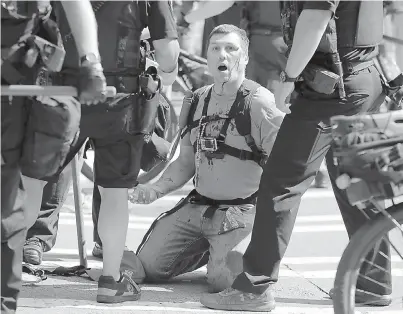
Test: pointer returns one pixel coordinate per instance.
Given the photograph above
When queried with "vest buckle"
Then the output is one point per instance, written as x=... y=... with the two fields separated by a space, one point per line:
x=208 y=144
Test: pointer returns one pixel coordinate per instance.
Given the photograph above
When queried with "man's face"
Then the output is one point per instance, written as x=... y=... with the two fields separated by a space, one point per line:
x=225 y=58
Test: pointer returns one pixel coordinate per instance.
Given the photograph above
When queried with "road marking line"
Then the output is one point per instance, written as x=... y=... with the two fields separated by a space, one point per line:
x=135 y=218
x=194 y=307
x=321 y=260
x=297 y=260
x=297 y=228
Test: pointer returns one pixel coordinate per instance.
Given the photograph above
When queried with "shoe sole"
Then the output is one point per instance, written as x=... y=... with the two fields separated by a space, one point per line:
x=385 y=301
x=262 y=307
x=117 y=299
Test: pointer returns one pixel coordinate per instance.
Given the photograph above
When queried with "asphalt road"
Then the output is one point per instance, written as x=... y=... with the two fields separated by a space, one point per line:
x=306 y=274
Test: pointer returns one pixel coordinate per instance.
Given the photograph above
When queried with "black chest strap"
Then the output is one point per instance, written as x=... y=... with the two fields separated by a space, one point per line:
x=237 y=110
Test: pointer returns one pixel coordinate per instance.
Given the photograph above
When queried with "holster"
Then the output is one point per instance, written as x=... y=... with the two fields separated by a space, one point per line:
x=320 y=79
x=390 y=88
x=141 y=117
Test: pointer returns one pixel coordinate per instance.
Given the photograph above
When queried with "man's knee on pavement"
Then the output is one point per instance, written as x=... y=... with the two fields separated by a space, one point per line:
x=153 y=266
x=219 y=277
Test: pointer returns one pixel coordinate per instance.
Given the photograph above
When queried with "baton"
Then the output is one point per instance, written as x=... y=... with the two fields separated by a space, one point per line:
x=182 y=123
x=36 y=90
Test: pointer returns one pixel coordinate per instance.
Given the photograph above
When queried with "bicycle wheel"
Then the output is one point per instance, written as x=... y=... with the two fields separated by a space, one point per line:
x=353 y=256
x=144 y=176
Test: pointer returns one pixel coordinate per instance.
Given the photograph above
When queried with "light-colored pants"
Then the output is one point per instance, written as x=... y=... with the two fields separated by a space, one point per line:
x=186 y=240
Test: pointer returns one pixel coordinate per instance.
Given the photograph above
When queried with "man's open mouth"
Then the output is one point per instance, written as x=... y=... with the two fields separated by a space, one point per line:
x=222 y=68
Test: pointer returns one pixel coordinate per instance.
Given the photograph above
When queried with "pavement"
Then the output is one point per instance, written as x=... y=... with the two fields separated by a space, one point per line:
x=306 y=274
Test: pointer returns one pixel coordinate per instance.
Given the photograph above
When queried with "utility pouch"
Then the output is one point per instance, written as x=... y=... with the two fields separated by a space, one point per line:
x=393 y=86
x=52 y=55
x=320 y=79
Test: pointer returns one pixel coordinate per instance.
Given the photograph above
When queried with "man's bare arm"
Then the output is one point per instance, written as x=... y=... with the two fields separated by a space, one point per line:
x=309 y=30
x=179 y=172
x=166 y=54
x=83 y=25
x=207 y=9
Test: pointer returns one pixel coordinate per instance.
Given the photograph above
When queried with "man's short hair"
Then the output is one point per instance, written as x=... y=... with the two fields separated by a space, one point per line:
x=229 y=28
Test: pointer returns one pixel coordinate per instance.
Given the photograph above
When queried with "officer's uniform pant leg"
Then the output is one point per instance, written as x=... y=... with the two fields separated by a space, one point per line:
x=175 y=245
x=13 y=231
x=289 y=172
x=374 y=278
x=54 y=196
x=13 y=228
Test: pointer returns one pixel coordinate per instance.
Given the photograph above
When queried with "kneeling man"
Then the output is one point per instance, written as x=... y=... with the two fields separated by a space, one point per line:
x=232 y=126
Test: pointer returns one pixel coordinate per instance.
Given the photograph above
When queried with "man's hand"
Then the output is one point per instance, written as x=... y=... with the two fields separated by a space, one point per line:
x=282 y=93
x=144 y=194
x=92 y=83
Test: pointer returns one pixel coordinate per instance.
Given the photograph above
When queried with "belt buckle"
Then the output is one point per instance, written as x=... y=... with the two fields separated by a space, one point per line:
x=208 y=144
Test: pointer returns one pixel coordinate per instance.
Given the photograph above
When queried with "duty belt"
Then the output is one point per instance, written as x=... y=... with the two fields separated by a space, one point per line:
x=352 y=67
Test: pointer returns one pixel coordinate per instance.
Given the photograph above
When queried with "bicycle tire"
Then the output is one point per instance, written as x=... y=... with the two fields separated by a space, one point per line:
x=145 y=177
x=359 y=246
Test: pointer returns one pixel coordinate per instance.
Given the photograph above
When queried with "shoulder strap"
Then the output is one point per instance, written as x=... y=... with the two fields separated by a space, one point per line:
x=243 y=119
x=193 y=107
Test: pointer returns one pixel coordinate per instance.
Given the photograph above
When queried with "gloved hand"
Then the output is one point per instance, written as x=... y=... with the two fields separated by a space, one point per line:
x=144 y=194
x=92 y=83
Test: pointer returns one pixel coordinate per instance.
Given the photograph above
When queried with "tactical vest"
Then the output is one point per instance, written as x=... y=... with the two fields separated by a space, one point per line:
x=240 y=112
x=120 y=24
x=356 y=24
x=28 y=36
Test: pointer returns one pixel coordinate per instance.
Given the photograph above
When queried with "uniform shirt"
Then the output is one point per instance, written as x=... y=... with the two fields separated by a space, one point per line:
x=346 y=54
x=230 y=177
x=158 y=17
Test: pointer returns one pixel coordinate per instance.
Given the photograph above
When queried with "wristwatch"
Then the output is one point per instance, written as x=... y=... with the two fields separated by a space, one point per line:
x=285 y=78
x=90 y=58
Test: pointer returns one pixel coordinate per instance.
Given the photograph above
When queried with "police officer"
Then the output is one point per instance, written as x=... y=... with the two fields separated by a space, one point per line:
x=293 y=164
x=119 y=128
x=17 y=114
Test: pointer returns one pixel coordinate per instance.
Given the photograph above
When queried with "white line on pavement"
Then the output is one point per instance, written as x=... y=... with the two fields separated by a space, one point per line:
x=135 y=218
x=189 y=307
x=323 y=274
x=321 y=260
x=297 y=229
x=303 y=260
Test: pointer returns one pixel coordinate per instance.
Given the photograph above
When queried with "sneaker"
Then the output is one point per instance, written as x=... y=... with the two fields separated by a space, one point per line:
x=367 y=298
x=234 y=300
x=97 y=251
x=33 y=251
x=111 y=291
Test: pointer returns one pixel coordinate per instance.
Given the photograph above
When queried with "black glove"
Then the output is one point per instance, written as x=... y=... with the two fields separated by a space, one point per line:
x=91 y=83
